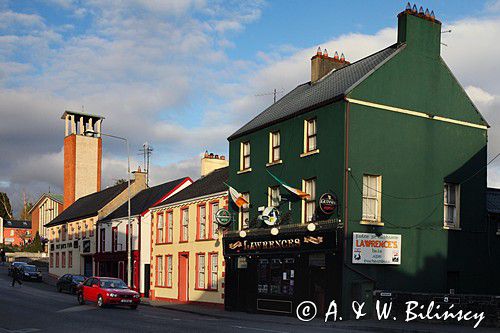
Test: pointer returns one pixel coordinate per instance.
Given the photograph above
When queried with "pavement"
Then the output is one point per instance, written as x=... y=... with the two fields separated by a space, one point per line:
x=37 y=307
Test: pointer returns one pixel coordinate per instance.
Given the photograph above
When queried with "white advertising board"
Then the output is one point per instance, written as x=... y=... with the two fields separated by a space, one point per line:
x=368 y=248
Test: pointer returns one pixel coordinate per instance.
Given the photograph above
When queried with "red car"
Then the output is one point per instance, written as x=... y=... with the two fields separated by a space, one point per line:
x=107 y=291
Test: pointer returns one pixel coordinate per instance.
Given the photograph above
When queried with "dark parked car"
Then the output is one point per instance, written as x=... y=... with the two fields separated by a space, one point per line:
x=69 y=283
x=15 y=264
x=107 y=291
x=30 y=273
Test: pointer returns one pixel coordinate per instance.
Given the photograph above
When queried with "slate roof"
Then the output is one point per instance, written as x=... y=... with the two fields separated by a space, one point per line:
x=17 y=224
x=211 y=183
x=88 y=206
x=143 y=200
x=308 y=96
x=493 y=200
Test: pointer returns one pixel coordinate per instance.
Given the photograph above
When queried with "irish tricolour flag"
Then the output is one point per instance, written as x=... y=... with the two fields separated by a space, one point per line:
x=301 y=194
x=237 y=197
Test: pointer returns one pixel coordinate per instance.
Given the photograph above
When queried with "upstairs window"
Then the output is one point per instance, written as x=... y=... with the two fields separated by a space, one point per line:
x=159 y=229
x=103 y=240
x=372 y=199
x=310 y=203
x=170 y=226
x=451 y=205
x=274 y=154
x=274 y=196
x=114 y=239
x=245 y=156
x=184 y=224
x=214 y=207
x=202 y=221
x=245 y=212
x=311 y=131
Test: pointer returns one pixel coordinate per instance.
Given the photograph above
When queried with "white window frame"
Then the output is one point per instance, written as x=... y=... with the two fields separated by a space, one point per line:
x=213 y=221
x=274 y=146
x=372 y=192
x=214 y=267
x=244 y=212
x=169 y=259
x=244 y=148
x=160 y=228
x=202 y=220
x=160 y=276
x=310 y=124
x=272 y=199
x=170 y=226
x=309 y=202
x=185 y=224
x=455 y=223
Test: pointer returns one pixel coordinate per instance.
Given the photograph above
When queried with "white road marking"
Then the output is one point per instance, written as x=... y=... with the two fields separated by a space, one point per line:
x=258 y=329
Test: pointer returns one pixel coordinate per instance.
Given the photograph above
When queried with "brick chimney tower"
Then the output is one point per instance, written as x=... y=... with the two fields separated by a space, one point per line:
x=82 y=155
x=322 y=64
x=211 y=162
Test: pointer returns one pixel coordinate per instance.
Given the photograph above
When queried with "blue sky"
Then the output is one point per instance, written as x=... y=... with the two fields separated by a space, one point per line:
x=184 y=75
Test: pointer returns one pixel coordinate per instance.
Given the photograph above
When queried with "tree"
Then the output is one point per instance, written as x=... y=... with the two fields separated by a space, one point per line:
x=5 y=208
x=25 y=214
x=35 y=245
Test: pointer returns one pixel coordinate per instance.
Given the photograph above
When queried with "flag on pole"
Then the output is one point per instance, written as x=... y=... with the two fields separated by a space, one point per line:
x=237 y=197
x=297 y=192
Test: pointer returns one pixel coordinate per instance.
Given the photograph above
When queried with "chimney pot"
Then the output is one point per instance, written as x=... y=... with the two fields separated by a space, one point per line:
x=432 y=15
x=408 y=6
x=318 y=52
x=222 y=157
x=336 y=56
x=342 y=57
x=414 y=9
x=427 y=14
x=325 y=53
x=421 y=10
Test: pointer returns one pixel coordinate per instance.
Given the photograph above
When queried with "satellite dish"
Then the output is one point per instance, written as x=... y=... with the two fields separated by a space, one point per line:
x=270 y=216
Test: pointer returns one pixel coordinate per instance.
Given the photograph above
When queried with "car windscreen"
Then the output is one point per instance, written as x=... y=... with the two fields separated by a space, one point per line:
x=78 y=278
x=30 y=268
x=113 y=284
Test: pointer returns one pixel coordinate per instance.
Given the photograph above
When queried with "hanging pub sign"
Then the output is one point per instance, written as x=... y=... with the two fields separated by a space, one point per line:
x=328 y=203
x=270 y=216
x=368 y=248
x=223 y=217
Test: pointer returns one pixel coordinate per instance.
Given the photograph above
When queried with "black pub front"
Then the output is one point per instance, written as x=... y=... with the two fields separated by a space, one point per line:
x=274 y=273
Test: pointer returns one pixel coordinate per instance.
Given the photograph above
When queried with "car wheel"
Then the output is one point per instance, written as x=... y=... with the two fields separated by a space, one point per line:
x=81 y=300
x=100 y=302
x=133 y=307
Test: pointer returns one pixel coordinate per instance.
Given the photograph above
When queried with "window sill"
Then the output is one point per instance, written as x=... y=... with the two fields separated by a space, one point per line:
x=375 y=223
x=163 y=287
x=164 y=243
x=244 y=171
x=183 y=241
x=309 y=153
x=274 y=163
x=451 y=228
x=204 y=239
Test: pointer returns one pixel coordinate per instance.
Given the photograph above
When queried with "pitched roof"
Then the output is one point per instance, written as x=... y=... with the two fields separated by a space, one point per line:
x=210 y=184
x=493 y=200
x=143 y=200
x=88 y=206
x=307 y=96
x=56 y=197
x=17 y=224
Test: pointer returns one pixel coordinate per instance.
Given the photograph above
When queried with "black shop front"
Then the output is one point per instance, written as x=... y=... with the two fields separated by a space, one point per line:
x=274 y=273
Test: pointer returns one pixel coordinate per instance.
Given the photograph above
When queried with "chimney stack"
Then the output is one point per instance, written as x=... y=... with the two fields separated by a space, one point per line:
x=211 y=162
x=322 y=64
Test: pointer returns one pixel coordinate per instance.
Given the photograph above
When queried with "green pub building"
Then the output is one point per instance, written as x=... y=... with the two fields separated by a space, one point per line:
x=392 y=154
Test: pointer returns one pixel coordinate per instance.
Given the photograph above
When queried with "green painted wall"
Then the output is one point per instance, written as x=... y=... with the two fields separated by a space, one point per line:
x=326 y=166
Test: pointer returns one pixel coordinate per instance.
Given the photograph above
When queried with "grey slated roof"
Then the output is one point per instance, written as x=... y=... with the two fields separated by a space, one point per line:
x=307 y=96
x=493 y=200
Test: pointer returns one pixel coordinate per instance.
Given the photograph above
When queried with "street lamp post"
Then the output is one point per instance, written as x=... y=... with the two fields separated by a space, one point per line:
x=129 y=236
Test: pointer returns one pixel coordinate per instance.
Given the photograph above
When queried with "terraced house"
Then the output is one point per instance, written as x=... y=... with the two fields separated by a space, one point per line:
x=376 y=174
x=187 y=265
x=72 y=234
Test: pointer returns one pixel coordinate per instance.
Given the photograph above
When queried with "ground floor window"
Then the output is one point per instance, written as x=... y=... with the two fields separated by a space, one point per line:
x=159 y=271
x=213 y=273
x=63 y=260
x=200 y=271
x=51 y=260
x=57 y=260
x=70 y=259
x=276 y=276
x=169 y=270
